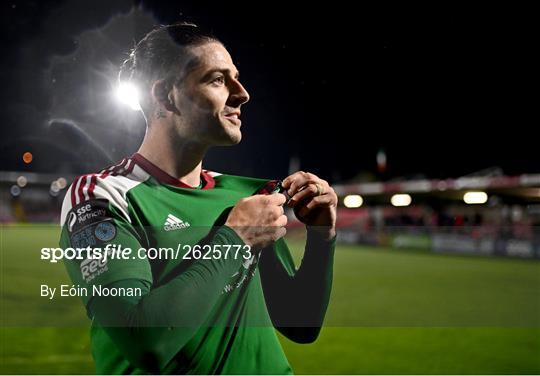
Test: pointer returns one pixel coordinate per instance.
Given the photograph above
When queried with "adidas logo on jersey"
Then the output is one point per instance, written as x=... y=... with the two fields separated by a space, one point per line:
x=172 y=223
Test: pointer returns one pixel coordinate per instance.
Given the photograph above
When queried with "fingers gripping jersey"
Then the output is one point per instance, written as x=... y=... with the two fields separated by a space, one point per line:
x=136 y=205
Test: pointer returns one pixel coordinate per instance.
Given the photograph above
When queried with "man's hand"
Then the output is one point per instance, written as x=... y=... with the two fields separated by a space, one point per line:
x=259 y=219
x=314 y=202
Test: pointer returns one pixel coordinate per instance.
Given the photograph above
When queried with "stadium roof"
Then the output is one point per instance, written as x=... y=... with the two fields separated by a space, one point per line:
x=424 y=186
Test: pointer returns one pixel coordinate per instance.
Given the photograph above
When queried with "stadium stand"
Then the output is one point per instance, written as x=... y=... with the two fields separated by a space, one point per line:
x=436 y=219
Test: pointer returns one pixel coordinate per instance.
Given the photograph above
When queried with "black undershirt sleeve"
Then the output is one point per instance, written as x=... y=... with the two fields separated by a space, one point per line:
x=297 y=299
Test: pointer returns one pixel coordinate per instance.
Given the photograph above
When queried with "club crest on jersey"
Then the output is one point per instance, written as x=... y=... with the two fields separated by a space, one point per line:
x=105 y=231
x=173 y=223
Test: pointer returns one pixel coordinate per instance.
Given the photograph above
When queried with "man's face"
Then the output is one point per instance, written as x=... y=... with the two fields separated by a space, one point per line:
x=210 y=97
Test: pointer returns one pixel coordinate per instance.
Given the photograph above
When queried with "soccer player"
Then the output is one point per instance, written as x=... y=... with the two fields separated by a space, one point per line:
x=215 y=306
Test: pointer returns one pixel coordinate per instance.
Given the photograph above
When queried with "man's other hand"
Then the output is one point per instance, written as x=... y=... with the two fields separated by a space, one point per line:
x=314 y=202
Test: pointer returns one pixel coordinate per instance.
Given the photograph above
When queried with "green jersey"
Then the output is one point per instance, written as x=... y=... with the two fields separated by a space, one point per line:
x=207 y=305
x=137 y=205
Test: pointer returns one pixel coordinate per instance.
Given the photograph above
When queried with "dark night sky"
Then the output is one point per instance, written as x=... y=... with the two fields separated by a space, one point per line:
x=445 y=89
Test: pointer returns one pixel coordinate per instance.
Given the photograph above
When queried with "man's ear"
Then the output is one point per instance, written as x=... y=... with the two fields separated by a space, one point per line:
x=162 y=94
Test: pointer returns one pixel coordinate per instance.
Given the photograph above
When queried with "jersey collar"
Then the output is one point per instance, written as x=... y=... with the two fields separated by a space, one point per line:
x=165 y=178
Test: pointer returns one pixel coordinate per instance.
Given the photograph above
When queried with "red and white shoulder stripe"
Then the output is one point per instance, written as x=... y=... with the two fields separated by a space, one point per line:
x=212 y=173
x=111 y=184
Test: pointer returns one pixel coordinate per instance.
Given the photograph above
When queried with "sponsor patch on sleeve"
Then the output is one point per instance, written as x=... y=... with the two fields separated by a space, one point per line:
x=86 y=214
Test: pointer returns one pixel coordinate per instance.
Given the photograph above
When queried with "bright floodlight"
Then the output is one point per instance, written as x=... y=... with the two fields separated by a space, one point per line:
x=128 y=94
x=401 y=199
x=353 y=201
x=475 y=197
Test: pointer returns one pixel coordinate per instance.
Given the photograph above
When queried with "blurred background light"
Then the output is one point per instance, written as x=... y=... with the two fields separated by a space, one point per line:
x=353 y=201
x=475 y=197
x=401 y=200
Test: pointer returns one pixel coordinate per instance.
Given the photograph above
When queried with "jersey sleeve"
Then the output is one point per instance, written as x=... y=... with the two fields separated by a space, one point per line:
x=150 y=330
x=95 y=217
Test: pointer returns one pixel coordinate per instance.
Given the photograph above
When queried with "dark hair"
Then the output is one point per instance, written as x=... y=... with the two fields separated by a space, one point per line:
x=163 y=53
